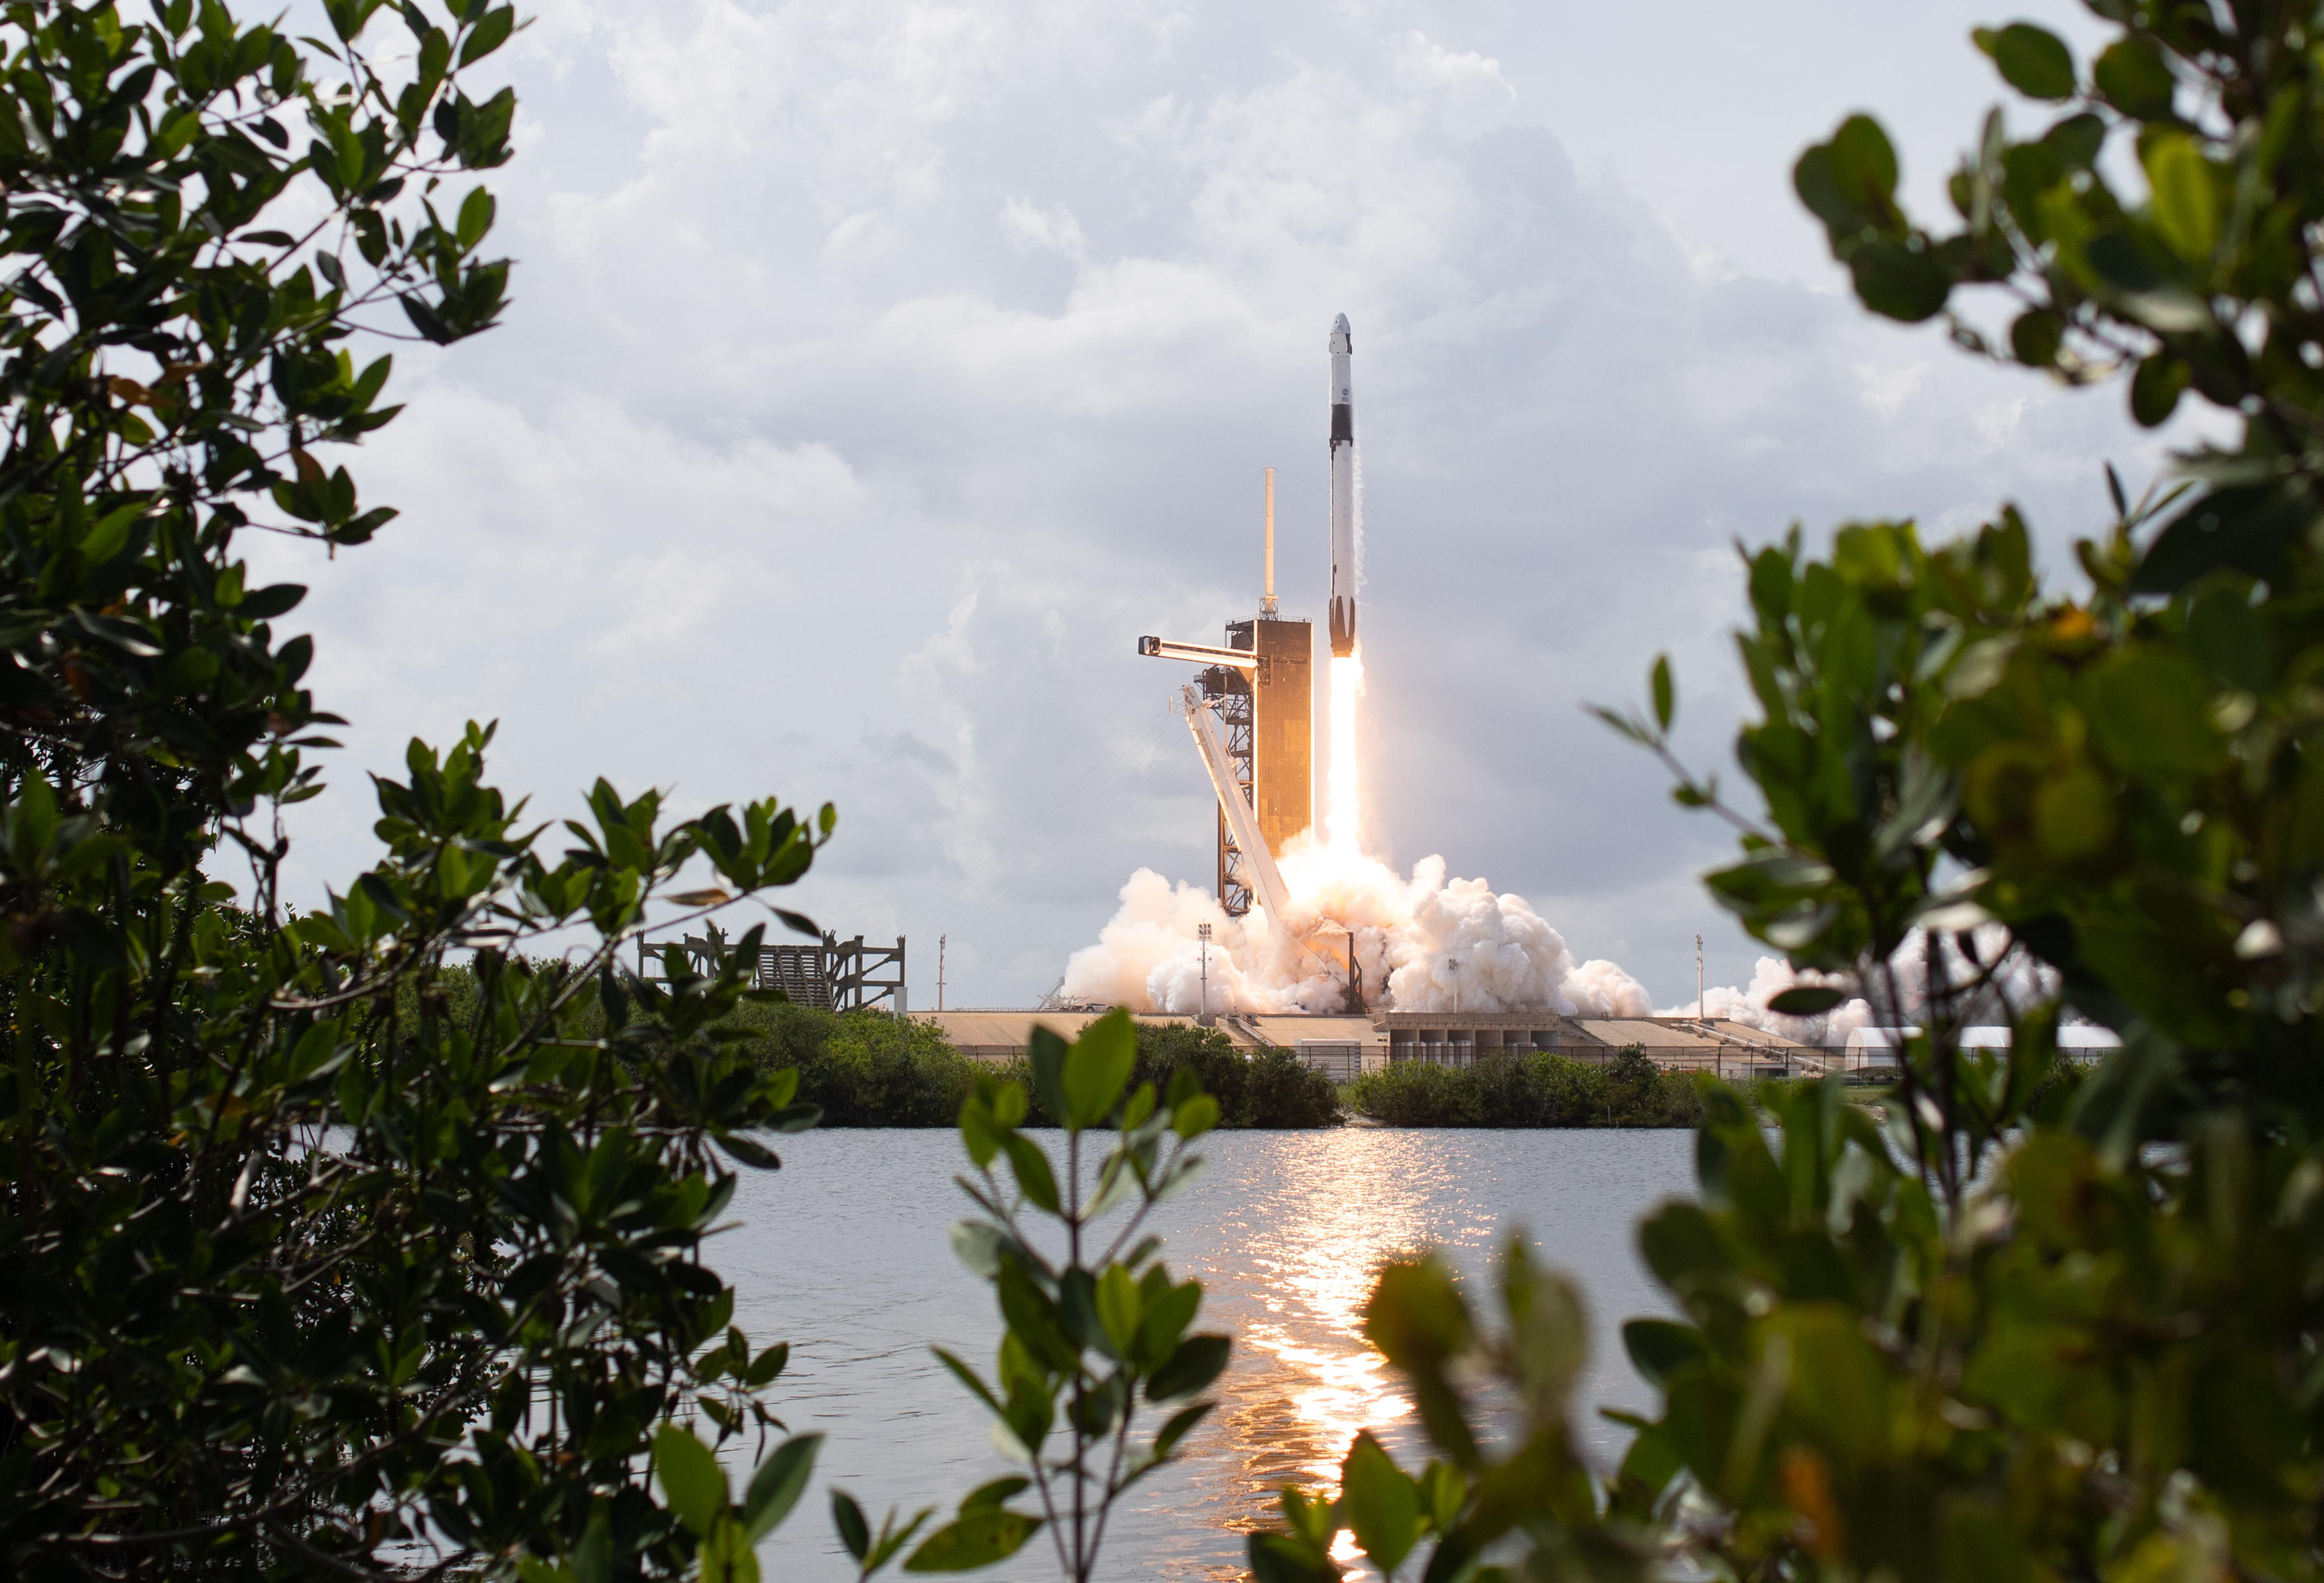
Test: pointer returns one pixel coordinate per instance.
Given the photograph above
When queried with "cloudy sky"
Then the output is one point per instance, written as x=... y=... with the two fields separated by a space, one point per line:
x=880 y=370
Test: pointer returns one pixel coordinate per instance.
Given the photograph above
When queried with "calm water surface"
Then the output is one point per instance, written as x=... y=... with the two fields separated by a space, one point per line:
x=844 y=1253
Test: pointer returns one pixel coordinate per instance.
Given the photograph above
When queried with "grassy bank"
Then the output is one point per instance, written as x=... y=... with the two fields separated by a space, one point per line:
x=1538 y=1089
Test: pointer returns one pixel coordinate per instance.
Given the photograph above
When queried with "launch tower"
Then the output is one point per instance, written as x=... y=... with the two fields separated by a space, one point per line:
x=1268 y=712
x=1262 y=683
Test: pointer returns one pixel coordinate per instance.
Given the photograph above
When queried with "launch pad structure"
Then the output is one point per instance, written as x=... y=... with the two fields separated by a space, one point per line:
x=1260 y=686
x=834 y=976
x=1267 y=713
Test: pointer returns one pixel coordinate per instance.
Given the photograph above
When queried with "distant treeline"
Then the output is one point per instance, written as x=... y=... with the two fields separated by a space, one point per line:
x=872 y=1070
x=1535 y=1089
x=867 y=1068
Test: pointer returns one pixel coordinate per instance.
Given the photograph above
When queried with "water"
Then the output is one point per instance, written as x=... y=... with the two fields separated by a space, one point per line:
x=844 y=1253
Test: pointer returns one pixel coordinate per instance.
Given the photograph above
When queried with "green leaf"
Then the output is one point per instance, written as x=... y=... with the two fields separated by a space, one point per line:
x=1119 y=1308
x=690 y=1478
x=750 y=1152
x=107 y=538
x=2150 y=710
x=2134 y=77
x=1864 y=160
x=1656 y=1346
x=1030 y=1165
x=1193 y=1117
x=593 y=1558
x=1899 y=282
x=490 y=31
x=1416 y=1315
x=2035 y=336
x=1097 y=1067
x=977 y=1539
x=2186 y=202
x=847 y=1517
x=1805 y=1000
x=997 y=1493
x=777 y=1484
x=1047 y=1053
x=268 y=602
x=1665 y=699
x=1284 y=1557
x=2246 y=527
x=2231 y=638
x=2031 y=60
x=1199 y=1360
x=475 y=215
x=2162 y=377
x=1379 y=1503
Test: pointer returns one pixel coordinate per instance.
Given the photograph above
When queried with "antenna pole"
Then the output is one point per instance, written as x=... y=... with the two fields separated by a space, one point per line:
x=1203 y=929
x=940 y=966
x=1267 y=606
x=1698 y=978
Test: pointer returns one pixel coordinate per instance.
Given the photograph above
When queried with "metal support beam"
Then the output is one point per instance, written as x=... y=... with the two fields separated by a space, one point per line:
x=1163 y=648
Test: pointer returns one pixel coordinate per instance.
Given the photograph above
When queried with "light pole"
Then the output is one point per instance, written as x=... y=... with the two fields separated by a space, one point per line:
x=1203 y=930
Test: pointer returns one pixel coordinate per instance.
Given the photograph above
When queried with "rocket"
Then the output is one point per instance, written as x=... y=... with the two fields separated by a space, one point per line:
x=1344 y=493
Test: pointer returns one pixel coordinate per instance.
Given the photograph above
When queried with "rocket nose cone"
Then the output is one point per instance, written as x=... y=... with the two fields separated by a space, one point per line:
x=1340 y=325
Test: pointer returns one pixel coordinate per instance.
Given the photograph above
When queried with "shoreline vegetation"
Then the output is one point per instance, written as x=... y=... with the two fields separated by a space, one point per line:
x=874 y=1070
x=1536 y=1090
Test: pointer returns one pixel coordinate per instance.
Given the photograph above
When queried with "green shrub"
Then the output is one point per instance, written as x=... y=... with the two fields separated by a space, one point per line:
x=1269 y=1087
x=1280 y=1090
x=866 y=1068
x=1421 y=1094
x=1534 y=1089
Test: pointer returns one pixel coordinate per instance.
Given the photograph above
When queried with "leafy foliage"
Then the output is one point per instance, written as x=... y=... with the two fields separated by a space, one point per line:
x=302 y=1269
x=1540 y=1089
x=1095 y=1328
x=1268 y=1087
x=863 y=1069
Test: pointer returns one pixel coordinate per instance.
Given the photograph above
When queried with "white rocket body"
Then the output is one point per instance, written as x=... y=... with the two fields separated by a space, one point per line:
x=1343 y=492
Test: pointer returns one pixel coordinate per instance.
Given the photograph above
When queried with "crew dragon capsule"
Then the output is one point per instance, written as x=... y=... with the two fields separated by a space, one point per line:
x=1344 y=493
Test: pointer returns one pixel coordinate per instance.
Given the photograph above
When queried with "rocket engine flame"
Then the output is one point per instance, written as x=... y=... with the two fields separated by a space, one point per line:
x=1339 y=800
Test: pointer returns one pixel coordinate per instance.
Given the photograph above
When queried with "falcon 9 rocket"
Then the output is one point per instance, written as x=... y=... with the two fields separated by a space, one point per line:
x=1344 y=493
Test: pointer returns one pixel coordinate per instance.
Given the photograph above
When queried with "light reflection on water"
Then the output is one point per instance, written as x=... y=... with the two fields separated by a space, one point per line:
x=845 y=1253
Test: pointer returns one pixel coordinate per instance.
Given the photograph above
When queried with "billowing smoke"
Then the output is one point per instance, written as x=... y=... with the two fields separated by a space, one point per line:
x=2018 y=983
x=1425 y=943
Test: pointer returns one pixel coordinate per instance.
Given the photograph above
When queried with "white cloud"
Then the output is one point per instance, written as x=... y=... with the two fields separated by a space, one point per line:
x=1473 y=95
x=1032 y=225
x=1888 y=389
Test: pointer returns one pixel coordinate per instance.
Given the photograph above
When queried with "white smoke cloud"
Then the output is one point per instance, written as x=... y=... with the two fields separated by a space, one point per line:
x=2020 y=982
x=1423 y=943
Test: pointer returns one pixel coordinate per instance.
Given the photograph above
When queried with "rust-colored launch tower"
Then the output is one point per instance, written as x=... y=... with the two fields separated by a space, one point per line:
x=1264 y=684
x=1283 y=725
x=1268 y=710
